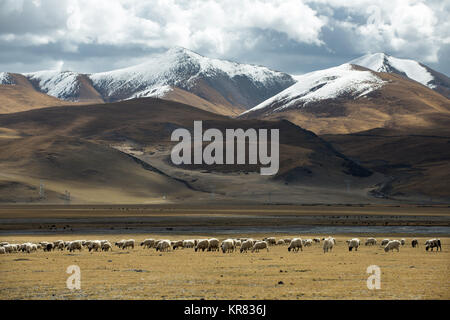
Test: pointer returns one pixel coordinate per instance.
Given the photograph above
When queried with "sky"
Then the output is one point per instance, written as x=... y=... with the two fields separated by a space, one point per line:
x=293 y=36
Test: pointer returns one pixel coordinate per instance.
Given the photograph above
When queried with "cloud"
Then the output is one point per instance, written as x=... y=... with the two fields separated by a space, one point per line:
x=99 y=33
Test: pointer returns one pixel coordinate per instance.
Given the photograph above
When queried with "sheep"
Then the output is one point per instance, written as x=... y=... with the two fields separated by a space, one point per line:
x=353 y=243
x=247 y=244
x=227 y=246
x=213 y=244
x=30 y=247
x=287 y=240
x=270 y=241
x=260 y=245
x=8 y=248
x=48 y=247
x=148 y=243
x=119 y=243
x=237 y=243
x=176 y=244
x=4 y=243
x=188 y=243
x=371 y=242
x=75 y=245
x=414 y=243
x=57 y=243
x=384 y=242
x=433 y=243
x=128 y=244
x=316 y=240
x=402 y=241
x=202 y=245
x=328 y=244
x=280 y=242
x=391 y=245
x=307 y=242
x=2 y=250
x=163 y=245
x=106 y=246
x=295 y=244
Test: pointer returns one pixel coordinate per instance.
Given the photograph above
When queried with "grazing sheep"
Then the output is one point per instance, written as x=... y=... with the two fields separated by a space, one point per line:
x=307 y=242
x=2 y=250
x=353 y=243
x=391 y=245
x=287 y=240
x=106 y=246
x=213 y=244
x=163 y=245
x=119 y=244
x=3 y=244
x=295 y=244
x=280 y=242
x=188 y=244
x=328 y=244
x=228 y=246
x=384 y=242
x=316 y=240
x=202 y=245
x=270 y=241
x=433 y=243
x=260 y=245
x=247 y=244
x=237 y=243
x=371 y=242
x=402 y=241
x=177 y=244
x=414 y=243
x=148 y=243
x=75 y=245
x=48 y=246
x=128 y=244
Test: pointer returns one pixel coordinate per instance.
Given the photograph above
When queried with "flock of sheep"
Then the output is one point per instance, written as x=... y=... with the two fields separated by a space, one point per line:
x=213 y=244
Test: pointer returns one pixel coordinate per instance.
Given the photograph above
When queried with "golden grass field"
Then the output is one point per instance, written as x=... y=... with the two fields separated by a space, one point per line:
x=412 y=273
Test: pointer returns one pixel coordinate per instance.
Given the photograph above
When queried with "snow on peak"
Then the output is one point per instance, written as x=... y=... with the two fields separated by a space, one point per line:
x=59 y=84
x=176 y=67
x=5 y=78
x=320 y=85
x=381 y=62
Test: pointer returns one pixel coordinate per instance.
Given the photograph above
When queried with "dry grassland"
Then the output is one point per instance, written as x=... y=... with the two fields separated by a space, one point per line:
x=185 y=274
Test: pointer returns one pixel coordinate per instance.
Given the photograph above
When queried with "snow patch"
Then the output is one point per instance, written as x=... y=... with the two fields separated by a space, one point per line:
x=5 y=78
x=62 y=85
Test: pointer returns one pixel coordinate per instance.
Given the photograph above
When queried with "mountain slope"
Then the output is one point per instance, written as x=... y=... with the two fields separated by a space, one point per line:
x=381 y=62
x=351 y=98
x=76 y=147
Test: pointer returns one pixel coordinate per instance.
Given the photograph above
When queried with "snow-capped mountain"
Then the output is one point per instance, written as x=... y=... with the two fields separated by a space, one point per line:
x=182 y=68
x=212 y=81
x=411 y=69
x=351 y=98
x=344 y=81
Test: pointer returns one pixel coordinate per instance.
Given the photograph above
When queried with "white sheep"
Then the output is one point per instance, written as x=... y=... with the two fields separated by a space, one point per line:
x=188 y=243
x=247 y=244
x=2 y=250
x=295 y=245
x=384 y=242
x=371 y=242
x=75 y=245
x=353 y=244
x=391 y=245
x=163 y=245
x=148 y=243
x=128 y=244
x=270 y=241
x=227 y=246
x=328 y=244
x=260 y=245
x=106 y=246
x=177 y=244
x=307 y=242
x=280 y=242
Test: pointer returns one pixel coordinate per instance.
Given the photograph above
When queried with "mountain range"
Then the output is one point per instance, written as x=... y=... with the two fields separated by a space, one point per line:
x=378 y=126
